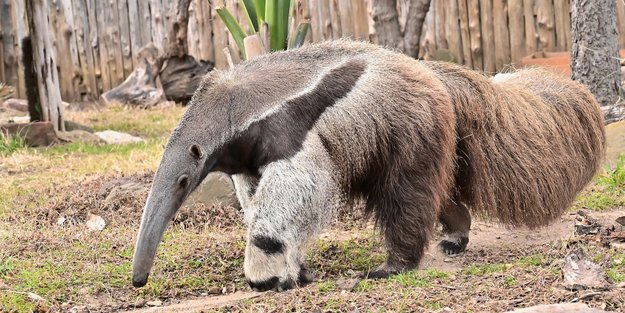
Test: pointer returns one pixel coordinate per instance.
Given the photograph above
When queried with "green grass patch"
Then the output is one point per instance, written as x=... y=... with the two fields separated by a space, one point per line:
x=327 y=286
x=614 y=178
x=16 y=302
x=10 y=144
x=486 y=269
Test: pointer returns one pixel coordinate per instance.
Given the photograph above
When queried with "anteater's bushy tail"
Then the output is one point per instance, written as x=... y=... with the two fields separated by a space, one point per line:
x=527 y=144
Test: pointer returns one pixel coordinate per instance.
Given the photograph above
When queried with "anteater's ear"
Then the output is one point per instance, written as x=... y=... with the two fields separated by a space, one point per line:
x=196 y=151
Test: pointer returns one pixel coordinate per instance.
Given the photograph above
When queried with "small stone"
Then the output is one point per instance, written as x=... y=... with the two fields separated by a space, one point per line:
x=95 y=222
x=214 y=291
x=116 y=138
x=447 y=309
x=154 y=303
x=347 y=284
x=60 y=220
x=581 y=273
x=621 y=285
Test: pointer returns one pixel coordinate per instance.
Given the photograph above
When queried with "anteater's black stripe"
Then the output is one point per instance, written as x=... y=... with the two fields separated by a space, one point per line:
x=281 y=135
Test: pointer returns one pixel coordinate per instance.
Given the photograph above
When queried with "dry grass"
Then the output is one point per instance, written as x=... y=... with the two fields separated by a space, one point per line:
x=202 y=252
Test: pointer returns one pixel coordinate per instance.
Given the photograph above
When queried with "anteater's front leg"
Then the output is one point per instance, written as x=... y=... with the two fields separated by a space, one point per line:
x=294 y=200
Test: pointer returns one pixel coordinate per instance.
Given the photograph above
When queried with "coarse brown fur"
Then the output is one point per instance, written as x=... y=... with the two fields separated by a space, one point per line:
x=307 y=130
x=525 y=146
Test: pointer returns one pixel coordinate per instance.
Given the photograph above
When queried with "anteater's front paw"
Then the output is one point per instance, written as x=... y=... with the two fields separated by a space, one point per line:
x=282 y=284
x=454 y=246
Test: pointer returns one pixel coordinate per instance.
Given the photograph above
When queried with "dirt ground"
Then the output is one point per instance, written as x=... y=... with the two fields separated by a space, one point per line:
x=51 y=262
x=489 y=243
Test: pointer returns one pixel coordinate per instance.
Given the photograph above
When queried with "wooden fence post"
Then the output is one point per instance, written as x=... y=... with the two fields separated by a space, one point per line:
x=43 y=56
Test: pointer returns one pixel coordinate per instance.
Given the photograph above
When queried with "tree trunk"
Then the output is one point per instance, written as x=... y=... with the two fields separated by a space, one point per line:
x=45 y=64
x=179 y=72
x=594 y=56
x=414 y=25
x=385 y=17
x=386 y=23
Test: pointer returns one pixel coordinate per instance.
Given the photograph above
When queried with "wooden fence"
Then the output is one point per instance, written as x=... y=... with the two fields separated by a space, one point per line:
x=98 y=41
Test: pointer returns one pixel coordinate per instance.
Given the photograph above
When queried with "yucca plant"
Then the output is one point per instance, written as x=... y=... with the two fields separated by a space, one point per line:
x=268 y=27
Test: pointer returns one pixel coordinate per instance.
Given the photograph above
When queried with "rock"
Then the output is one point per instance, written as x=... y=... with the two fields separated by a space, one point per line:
x=95 y=222
x=20 y=119
x=581 y=273
x=38 y=134
x=154 y=303
x=116 y=138
x=16 y=104
x=216 y=188
x=347 y=284
x=621 y=220
x=559 y=308
x=125 y=191
x=80 y=136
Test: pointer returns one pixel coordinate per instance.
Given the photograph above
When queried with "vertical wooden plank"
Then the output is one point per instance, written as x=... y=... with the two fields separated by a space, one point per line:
x=476 y=34
x=488 y=36
x=531 y=35
x=428 y=34
x=620 y=22
x=546 y=31
x=61 y=52
x=9 y=43
x=116 y=63
x=463 y=12
x=145 y=18
x=85 y=52
x=47 y=75
x=561 y=9
x=316 y=26
x=2 y=42
x=373 y=37
x=347 y=20
x=324 y=21
x=124 y=37
x=20 y=32
x=205 y=31
x=439 y=20
x=92 y=40
x=69 y=39
x=193 y=39
x=337 y=28
x=452 y=30
x=220 y=37
x=567 y=24
x=157 y=16
x=102 y=44
x=517 y=30
x=502 y=36
x=135 y=30
x=361 y=24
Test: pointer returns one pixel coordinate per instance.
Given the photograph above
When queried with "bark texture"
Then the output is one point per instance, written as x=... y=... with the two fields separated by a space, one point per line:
x=388 y=28
x=45 y=64
x=594 y=56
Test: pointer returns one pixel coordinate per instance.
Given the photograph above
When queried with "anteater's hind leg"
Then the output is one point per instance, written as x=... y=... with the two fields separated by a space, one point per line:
x=406 y=217
x=456 y=221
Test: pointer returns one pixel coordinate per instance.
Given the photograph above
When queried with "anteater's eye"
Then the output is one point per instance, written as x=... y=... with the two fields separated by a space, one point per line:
x=183 y=181
x=195 y=151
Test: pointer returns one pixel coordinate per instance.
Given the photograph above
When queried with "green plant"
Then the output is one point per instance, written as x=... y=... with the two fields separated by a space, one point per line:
x=263 y=15
x=614 y=177
x=10 y=144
